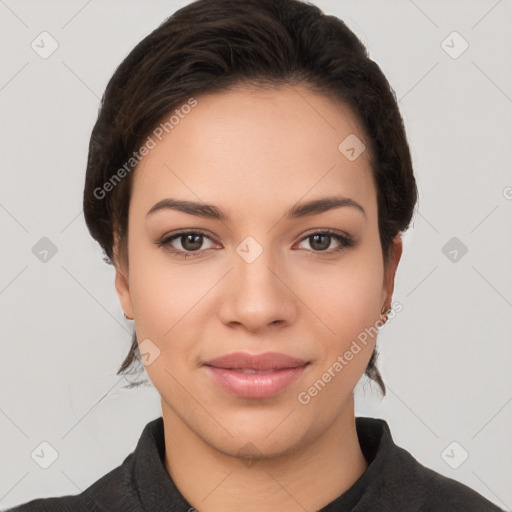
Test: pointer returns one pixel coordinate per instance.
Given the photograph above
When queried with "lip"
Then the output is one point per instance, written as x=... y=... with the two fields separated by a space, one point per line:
x=264 y=361
x=255 y=376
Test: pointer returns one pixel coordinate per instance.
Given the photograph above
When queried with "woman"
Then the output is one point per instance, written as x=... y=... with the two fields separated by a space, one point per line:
x=249 y=178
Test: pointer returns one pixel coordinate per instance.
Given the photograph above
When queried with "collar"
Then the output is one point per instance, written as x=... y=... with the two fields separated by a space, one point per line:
x=158 y=492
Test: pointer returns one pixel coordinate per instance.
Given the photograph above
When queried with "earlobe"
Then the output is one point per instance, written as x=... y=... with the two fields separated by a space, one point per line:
x=390 y=270
x=123 y=293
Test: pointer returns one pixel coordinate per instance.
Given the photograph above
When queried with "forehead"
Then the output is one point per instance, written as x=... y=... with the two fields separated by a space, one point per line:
x=251 y=147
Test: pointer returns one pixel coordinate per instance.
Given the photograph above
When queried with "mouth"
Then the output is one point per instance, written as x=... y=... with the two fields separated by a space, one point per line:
x=255 y=376
x=252 y=371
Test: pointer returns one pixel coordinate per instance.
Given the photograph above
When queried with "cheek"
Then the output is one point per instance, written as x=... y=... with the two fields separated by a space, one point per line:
x=163 y=298
x=349 y=303
x=172 y=304
x=347 y=295
x=162 y=305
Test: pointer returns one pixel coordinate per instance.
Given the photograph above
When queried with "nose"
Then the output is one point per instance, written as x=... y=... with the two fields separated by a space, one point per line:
x=256 y=295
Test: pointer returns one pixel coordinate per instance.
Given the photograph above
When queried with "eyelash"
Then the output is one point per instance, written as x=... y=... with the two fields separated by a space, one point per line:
x=344 y=240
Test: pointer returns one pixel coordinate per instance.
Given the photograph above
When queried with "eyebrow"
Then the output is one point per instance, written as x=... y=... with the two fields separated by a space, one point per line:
x=210 y=211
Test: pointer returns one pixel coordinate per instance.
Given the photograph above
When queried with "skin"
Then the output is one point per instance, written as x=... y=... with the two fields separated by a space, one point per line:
x=294 y=298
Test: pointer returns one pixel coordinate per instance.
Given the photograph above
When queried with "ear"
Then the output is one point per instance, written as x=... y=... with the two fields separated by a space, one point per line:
x=123 y=292
x=390 y=270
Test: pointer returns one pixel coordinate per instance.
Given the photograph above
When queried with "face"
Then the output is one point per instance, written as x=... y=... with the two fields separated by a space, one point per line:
x=252 y=278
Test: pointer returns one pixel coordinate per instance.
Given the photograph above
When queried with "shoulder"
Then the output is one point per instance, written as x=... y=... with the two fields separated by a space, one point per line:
x=114 y=491
x=62 y=504
x=433 y=492
x=140 y=479
x=400 y=482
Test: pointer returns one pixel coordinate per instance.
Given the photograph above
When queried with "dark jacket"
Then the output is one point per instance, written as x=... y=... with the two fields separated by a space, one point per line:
x=393 y=482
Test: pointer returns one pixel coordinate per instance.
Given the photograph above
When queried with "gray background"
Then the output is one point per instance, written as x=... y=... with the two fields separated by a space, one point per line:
x=445 y=358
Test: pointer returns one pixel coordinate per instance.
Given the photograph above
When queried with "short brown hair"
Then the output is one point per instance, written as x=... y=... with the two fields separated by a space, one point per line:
x=215 y=45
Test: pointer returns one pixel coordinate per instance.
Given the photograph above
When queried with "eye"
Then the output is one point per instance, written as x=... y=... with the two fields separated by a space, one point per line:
x=188 y=242
x=321 y=241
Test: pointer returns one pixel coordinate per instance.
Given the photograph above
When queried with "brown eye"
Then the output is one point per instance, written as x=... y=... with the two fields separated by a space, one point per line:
x=321 y=242
x=185 y=243
x=191 y=242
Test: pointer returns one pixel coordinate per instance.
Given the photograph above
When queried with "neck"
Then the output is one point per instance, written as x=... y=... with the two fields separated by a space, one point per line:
x=213 y=481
